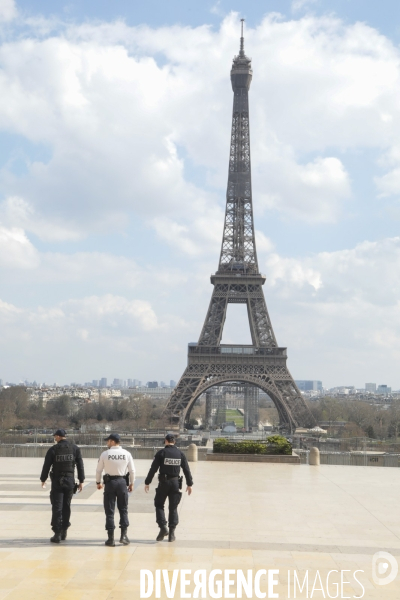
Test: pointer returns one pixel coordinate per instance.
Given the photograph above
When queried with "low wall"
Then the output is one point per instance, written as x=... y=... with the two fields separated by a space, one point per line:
x=294 y=459
x=353 y=459
x=39 y=451
x=142 y=452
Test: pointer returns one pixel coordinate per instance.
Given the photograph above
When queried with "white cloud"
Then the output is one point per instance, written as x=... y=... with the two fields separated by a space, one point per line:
x=115 y=311
x=312 y=192
x=369 y=272
x=17 y=211
x=292 y=272
x=199 y=236
x=263 y=244
x=122 y=129
x=8 y=311
x=88 y=332
x=8 y=10
x=91 y=337
x=216 y=8
x=16 y=251
x=339 y=312
x=298 y=5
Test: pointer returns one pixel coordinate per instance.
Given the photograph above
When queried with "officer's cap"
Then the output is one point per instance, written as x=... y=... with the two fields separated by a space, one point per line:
x=114 y=437
x=60 y=432
x=170 y=437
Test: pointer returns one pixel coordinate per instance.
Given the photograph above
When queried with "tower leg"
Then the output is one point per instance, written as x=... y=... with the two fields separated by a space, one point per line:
x=183 y=396
x=246 y=407
x=208 y=409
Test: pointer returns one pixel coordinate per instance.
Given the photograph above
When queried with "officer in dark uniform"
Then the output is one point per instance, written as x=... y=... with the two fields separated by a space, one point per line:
x=169 y=461
x=62 y=458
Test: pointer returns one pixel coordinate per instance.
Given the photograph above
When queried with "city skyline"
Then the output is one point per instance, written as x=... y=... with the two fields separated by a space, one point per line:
x=110 y=194
x=127 y=383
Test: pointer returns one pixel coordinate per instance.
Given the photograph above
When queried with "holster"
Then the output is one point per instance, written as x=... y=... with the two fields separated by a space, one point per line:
x=106 y=478
x=76 y=486
x=180 y=482
x=126 y=477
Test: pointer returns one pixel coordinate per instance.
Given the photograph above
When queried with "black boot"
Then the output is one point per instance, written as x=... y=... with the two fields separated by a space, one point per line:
x=124 y=537
x=171 y=534
x=64 y=534
x=110 y=541
x=56 y=539
x=163 y=532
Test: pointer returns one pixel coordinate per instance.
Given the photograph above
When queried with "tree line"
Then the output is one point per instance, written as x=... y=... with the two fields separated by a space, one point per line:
x=362 y=419
x=136 y=411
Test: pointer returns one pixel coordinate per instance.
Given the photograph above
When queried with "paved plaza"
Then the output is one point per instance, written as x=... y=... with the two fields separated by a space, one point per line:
x=240 y=516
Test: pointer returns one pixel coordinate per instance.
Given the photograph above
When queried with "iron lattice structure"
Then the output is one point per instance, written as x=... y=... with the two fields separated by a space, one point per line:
x=238 y=280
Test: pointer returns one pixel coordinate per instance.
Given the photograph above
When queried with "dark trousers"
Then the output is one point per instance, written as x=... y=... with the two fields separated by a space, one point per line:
x=116 y=490
x=167 y=489
x=62 y=490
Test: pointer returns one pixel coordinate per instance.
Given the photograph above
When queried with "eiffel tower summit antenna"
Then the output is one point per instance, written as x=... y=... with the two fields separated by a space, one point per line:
x=241 y=53
x=238 y=281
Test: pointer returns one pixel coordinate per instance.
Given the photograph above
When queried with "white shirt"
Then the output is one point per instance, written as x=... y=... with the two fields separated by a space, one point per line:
x=116 y=461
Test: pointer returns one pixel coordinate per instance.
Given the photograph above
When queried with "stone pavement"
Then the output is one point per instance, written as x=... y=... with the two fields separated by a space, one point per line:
x=240 y=516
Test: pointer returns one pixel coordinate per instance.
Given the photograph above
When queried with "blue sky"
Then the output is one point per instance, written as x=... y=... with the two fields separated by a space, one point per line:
x=114 y=139
x=381 y=15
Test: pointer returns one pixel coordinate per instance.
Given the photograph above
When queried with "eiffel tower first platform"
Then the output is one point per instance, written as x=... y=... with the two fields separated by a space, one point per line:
x=238 y=280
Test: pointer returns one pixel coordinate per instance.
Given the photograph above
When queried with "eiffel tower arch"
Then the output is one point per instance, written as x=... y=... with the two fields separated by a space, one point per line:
x=238 y=280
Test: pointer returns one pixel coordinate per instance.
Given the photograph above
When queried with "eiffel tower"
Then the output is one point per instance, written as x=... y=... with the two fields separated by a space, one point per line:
x=238 y=280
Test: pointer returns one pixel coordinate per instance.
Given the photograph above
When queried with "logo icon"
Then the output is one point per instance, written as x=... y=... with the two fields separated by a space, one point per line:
x=384 y=568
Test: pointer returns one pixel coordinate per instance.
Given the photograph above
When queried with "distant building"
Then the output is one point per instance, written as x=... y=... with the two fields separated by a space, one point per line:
x=307 y=385
x=343 y=390
x=172 y=383
x=163 y=384
x=1 y=382
x=370 y=387
x=152 y=384
x=384 y=390
x=103 y=382
x=156 y=392
x=95 y=383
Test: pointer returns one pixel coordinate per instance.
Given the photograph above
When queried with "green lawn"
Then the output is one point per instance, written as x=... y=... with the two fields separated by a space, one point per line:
x=234 y=415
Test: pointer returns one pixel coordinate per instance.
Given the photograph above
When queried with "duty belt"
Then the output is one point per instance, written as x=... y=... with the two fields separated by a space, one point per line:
x=116 y=476
x=169 y=476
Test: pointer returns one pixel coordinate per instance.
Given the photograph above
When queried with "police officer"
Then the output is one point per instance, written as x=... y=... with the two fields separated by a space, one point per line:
x=169 y=461
x=62 y=458
x=116 y=463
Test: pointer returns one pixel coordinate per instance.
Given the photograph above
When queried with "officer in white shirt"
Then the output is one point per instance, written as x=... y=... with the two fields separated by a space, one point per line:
x=116 y=464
